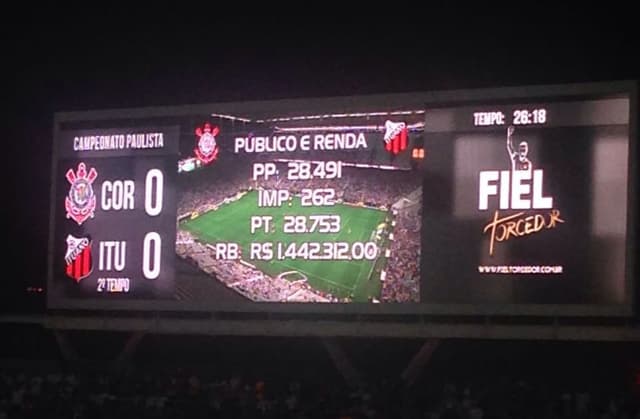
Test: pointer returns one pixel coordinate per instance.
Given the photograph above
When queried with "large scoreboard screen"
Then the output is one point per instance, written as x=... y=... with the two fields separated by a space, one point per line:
x=390 y=203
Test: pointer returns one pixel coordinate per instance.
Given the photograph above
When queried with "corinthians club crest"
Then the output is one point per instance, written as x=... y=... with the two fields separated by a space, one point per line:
x=80 y=203
x=207 y=147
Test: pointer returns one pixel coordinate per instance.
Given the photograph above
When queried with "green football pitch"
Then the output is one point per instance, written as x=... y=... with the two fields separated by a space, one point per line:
x=355 y=279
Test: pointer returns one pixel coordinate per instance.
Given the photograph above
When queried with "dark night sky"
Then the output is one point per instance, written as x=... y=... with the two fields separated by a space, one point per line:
x=73 y=66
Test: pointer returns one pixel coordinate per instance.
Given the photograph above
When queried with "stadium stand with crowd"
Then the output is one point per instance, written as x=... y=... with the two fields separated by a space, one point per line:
x=395 y=190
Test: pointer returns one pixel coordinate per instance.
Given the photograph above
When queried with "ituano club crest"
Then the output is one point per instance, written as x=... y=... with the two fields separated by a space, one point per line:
x=78 y=259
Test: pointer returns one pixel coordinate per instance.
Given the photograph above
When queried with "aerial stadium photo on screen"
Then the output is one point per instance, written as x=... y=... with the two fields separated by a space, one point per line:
x=305 y=208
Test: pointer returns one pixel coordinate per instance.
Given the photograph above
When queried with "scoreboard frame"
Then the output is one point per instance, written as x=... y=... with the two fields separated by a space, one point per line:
x=422 y=99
